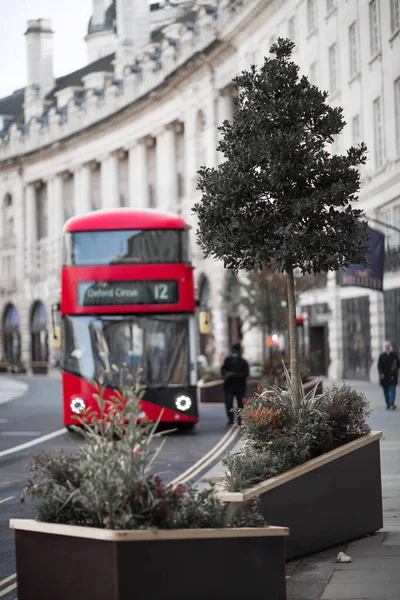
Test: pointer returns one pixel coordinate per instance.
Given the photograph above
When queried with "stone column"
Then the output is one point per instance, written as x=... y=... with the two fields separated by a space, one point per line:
x=211 y=131
x=30 y=212
x=215 y=274
x=77 y=192
x=335 y=332
x=85 y=183
x=55 y=223
x=109 y=181
x=166 y=169
x=161 y=175
x=20 y=268
x=190 y=151
x=55 y=206
x=82 y=176
x=137 y=165
x=224 y=112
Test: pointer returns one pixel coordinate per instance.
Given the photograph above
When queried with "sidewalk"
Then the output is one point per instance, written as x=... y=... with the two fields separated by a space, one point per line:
x=374 y=572
x=11 y=388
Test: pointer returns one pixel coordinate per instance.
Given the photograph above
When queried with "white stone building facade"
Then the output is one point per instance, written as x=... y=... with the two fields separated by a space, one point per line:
x=133 y=127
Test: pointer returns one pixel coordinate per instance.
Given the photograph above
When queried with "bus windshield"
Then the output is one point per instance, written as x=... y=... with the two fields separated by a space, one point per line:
x=125 y=247
x=158 y=345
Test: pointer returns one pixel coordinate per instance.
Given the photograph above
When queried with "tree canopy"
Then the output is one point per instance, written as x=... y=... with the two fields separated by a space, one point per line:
x=281 y=198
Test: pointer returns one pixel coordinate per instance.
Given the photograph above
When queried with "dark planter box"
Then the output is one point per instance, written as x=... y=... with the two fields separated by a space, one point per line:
x=328 y=501
x=40 y=368
x=81 y=563
x=211 y=392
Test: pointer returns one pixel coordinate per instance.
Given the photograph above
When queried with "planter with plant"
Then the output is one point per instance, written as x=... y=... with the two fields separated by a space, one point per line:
x=107 y=527
x=314 y=465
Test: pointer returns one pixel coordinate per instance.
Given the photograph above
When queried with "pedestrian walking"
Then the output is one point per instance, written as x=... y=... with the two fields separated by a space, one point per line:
x=388 y=367
x=235 y=371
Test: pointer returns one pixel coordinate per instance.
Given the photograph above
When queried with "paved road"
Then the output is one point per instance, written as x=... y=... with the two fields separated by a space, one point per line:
x=38 y=413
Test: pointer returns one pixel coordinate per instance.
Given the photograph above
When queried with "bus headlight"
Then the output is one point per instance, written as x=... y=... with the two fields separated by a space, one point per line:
x=77 y=405
x=183 y=402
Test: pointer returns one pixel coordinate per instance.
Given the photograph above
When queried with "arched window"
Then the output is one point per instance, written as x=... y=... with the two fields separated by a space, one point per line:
x=11 y=334
x=7 y=200
x=39 y=339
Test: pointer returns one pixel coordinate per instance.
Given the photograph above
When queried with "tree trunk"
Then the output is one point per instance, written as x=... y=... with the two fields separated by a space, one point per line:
x=293 y=344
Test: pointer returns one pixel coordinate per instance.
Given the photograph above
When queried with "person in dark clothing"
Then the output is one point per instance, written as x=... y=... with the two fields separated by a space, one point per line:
x=388 y=367
x=235 y=371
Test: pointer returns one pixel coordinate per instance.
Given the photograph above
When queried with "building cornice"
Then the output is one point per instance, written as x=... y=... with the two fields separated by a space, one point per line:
x=218 y=48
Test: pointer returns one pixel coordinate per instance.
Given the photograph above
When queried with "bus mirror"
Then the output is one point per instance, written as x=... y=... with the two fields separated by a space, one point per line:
x=205 y=322
x=57 y=337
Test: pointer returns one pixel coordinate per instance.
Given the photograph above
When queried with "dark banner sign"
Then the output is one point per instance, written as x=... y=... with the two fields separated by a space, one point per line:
x=122 y=293
x=370 y=275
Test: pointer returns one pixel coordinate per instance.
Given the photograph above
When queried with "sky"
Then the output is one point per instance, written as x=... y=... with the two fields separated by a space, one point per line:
x=69 y=19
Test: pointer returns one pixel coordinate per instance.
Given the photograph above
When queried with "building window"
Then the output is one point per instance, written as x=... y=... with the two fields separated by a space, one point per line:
x=292 y=28
x=313 y=73
x=355 y=130
x=395 y=14
x=332 y=68
x=378 y=133
x=330 y=5
x=397 y=113
x=374 y=34
x=353 y=50
x=311 y=16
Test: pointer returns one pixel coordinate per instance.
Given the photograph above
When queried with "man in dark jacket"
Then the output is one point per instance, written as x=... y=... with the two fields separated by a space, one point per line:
x=235 y=371
x=388 y=367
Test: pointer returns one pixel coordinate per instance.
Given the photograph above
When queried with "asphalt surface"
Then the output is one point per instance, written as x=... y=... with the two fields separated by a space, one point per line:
x=37 y=413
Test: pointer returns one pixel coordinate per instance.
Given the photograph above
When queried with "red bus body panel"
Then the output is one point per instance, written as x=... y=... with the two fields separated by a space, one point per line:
x=74 y=386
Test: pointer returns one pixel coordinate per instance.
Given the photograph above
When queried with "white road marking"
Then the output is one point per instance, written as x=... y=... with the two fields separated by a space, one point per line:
x=161 y=433
x=202 y=466
x=207 y=458
x=9 y=589
x=7 y=579
x=6 y=500
x=34 y=442
x=20 y=433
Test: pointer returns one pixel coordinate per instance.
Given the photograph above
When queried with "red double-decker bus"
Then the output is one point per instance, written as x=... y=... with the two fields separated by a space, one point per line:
x=127 y=299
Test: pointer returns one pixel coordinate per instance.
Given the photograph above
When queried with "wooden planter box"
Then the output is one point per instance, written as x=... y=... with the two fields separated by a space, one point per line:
x=65 y=562
x=330 y=500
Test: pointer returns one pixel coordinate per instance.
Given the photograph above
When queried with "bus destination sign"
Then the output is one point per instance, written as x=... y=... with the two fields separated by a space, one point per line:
x=122 y=293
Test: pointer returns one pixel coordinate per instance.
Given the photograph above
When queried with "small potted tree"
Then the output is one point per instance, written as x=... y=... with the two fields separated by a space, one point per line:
x=108 y=528
x=281 y=201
